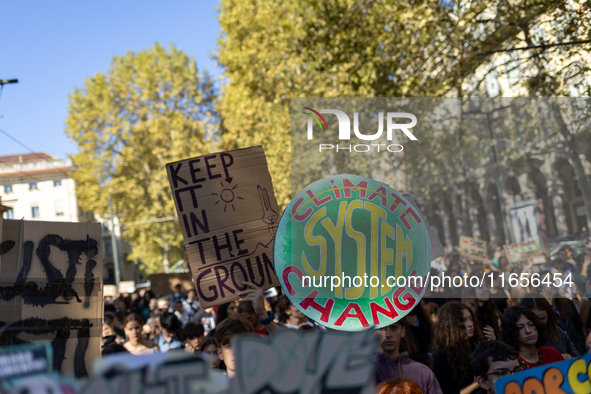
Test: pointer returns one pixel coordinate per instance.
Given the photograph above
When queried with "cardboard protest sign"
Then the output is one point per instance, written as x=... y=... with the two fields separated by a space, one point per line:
x=51 y=289
x=172 y=372
x=109 y=290
x=296 y=362
x=474 y=248
x=228 y=216
x=126 y=286
x=569 y=376
x=351 y=253
x=524 y=253
x=163 y=284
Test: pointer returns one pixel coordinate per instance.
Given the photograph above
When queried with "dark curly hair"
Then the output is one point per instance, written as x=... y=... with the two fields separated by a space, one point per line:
x=511 y=331
x=282 y=306
x=536 y=302
x=489 y=352
x=191 y=330
x=449 y=333
x=170 y=322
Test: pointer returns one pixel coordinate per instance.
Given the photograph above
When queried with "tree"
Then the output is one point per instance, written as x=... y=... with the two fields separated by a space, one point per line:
x=150 y=108
x=547 y=45
x=274 y=50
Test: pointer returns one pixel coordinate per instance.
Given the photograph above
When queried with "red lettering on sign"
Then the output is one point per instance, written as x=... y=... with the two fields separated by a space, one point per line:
x=381 y=192
x=288 y=270
x=361 y=186
x=347 y=314
x=316 y=201
x=310 y=301
x=408 y=297
x=390 y=313
x=303 y=216
x=397 y=202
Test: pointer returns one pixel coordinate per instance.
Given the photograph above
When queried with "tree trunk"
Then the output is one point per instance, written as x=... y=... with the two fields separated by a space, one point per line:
x=571 y=148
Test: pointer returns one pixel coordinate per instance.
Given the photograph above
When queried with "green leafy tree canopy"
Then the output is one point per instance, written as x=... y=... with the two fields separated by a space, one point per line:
x=149 y=108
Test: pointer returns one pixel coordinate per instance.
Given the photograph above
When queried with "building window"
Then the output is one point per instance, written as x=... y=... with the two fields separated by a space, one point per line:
x=108 y=249
x=57 y=183
x=7 y=188
x=35 y=211
x=59 y=208
x=33 y=186
x=9 y=214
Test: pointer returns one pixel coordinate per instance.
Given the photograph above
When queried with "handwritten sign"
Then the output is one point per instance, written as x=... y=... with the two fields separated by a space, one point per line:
x=474 y=248
x=163 y=284
x=51 y=289
x=523 y=253
x=172 y=372
x=352 y=252
x=569 y=376
x=296 y=362
x=228 y=216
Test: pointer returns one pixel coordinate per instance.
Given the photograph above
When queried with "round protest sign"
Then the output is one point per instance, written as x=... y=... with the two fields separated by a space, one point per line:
x=351 y=253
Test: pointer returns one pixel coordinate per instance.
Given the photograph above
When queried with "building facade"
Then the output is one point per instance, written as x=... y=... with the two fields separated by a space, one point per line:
x=37 y=186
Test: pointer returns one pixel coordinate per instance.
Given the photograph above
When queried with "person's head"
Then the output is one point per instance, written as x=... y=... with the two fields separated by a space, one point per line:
x=109 y=320
x=389 y=338
x=542 y=309
x=223 y=334
x=458 y=332
x=492 y=360
x=153 y=303
x=287 y=312
x=398 y=386
x=563 y=253
x=246 y=310
x=192 y=295
x=133 y=324
x=107 y=330
x=178 y=289
x=454 y=267
x=521 y=327
x=193 y=334
x=226 y=310
x=170 y=324
x=163 y=303
x=177 y=307
x=209 y=348
x=282 y=306
x=232 y=309
x=482 y=293
x=148 y=295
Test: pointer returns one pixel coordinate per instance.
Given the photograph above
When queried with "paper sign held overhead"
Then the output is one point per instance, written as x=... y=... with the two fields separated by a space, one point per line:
x=474 y=248
x=163 y=284
x=51 y=289
x=525 y=253
x=228 y=216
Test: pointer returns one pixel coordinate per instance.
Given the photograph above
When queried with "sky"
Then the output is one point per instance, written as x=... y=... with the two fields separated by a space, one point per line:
x=51 y=47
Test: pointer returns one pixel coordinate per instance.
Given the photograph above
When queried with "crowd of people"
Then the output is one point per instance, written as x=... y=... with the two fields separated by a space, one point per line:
x=453 y=342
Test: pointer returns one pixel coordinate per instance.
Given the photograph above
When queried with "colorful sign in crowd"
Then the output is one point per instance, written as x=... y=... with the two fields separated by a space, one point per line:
x=350 y=252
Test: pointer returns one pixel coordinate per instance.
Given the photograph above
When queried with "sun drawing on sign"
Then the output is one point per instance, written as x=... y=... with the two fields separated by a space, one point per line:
x=227 y=196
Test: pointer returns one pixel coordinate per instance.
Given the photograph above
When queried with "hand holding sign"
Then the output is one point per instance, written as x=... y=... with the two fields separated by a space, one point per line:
x=255 y=295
